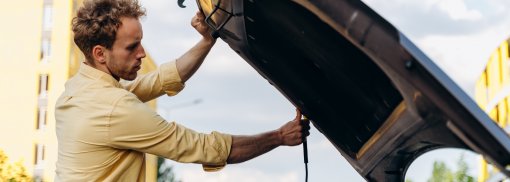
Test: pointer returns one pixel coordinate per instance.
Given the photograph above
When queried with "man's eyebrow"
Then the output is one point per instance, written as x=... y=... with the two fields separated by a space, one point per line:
x=133 y=44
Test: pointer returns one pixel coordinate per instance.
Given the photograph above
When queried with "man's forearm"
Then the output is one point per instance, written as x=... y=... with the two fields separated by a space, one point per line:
x=247 y=147
x=290 y=134
x=188 y=63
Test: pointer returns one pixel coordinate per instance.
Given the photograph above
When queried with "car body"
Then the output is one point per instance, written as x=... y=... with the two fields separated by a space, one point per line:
x=377 y=97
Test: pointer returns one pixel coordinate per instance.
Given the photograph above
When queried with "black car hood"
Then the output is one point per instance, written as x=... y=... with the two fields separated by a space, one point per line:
x=363 y=84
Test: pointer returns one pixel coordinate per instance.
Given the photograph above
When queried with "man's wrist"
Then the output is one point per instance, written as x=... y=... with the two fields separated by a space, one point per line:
x=209 y=40
x=279 y=137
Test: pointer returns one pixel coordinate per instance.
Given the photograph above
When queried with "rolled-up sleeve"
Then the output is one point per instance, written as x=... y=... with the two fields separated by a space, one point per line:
x=170 y=79
x=149 y=86
x=133 y=125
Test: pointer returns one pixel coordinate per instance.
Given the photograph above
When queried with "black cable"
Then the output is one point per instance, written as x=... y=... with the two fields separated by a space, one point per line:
x=305 y=155
x=306 y=170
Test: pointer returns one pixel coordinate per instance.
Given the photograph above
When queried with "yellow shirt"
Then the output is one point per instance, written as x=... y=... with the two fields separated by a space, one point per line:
x=104 y=129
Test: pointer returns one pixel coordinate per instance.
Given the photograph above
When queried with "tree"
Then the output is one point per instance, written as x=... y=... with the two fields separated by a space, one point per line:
x=165 y=171
x=462 y=169
x=441 y=172
x=12 y=172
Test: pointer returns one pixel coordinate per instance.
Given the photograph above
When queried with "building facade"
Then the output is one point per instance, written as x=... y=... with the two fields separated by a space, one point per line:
x=38 y=56
x=492 y=93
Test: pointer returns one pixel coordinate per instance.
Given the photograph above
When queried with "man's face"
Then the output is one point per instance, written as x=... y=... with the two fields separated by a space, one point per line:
x=125 y=57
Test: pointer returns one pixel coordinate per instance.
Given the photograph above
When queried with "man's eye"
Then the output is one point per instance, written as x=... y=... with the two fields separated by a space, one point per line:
x=132 y=47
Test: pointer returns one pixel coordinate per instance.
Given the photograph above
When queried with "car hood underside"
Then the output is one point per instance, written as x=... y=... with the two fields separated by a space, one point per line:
x=363 y=84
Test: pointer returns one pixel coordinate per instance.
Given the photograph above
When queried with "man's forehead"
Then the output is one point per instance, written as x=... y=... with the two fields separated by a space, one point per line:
x=130 y=30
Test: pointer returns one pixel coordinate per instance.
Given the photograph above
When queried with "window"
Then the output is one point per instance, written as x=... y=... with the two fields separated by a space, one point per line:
x=41 y=118
x=47 y=25
x=39 y=154
x=43 y=84
x=47 y=16
x=45 y=49
x=39 y=162
x=42 y=102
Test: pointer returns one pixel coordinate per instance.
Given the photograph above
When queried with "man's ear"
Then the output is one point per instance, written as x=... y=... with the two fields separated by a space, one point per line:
x=99 y=54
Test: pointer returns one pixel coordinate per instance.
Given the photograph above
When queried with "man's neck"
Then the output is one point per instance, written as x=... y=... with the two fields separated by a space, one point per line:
x=103 y=68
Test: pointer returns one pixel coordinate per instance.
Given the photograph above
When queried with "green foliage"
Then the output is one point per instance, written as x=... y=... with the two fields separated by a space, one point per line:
x=165 y=172
x=12 y=172
x=462 y=169
x=441 y=172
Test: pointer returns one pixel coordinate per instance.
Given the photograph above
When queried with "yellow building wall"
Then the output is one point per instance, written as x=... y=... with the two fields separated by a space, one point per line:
x=493 y=86
x=58 y=70
x=20 y=47
x=19 y=41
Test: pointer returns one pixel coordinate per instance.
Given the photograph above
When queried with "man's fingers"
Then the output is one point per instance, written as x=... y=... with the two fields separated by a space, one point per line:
x=305 y=124
x=200 y=14
x=199 y=17
x=194 y=21
x=298 y=115
x=295 y=131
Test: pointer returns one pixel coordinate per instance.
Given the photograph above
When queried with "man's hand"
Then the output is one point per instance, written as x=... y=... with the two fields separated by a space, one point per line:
x=247 y=147
x=293 y=132
x=198 y=22
x=189 y=63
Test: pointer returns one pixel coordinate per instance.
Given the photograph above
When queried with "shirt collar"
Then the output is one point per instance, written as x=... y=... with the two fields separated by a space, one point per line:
x=96 y=74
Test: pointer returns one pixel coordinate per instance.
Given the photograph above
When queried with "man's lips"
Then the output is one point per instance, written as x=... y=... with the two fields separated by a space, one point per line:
x=138 y=66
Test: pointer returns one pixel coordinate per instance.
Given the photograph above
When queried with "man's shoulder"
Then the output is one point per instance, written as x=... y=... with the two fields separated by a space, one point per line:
x=92 y=91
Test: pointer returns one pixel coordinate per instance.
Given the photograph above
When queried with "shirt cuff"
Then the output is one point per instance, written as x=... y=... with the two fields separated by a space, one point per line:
x=212 y=168
x=223 y=145
x=170 y=80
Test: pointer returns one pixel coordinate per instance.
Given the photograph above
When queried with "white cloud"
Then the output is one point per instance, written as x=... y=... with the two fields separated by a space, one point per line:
x=446 y=17
x=499 y=6
x=237 y=174
x=168 y=11
x=458 y=35
x=321 y=145
x=457 y=10
x=223 y=60
x=463 y=57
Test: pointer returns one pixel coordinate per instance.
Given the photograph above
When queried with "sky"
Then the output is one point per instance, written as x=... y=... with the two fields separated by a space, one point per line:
x=228 y=95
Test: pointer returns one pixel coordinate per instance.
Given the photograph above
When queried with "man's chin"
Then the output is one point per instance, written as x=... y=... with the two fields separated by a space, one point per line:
x=130 y=77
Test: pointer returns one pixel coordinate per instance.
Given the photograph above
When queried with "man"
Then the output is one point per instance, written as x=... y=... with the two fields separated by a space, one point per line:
x=103 y=126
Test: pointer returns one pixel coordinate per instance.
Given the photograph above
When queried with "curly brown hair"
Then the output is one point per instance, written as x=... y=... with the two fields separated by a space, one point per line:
x=97 y=22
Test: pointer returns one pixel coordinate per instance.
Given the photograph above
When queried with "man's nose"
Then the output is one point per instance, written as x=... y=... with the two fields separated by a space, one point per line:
x=141 y=53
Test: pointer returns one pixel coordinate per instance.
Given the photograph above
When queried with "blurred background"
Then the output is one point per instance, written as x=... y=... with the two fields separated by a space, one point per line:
x=465 y=38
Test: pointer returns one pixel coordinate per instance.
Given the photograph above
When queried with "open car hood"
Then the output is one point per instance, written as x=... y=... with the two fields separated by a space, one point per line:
x=378 y=98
